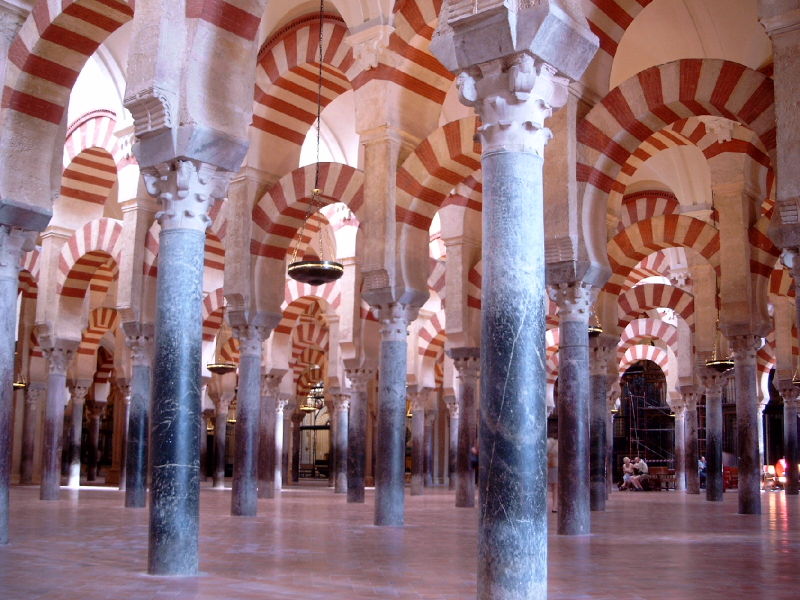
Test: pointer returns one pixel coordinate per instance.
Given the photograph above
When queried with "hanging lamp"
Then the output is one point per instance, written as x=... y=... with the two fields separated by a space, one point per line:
x=315 y=271
x=19 y=383
x=717 y=362
x=221 y=368
x=595 y=328
x=314 y=399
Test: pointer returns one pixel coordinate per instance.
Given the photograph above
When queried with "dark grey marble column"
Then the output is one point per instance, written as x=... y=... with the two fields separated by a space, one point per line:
x=574 y=303
x=297 y=419
x=467 y=364
x=430 y=419
x=244 y=491
x=713 y=382
x=270 y=386
x=287 y=439
x=602 y=349
x=679 y=445
x=452 y=453
x=95 y=409
x=357 y=433
x=222 y=405
x=205 y=418
x=79 y=391
x=13 y=242
x=417 y=442
x=58 y=356
x=391 y=430
x=744 y=348
x=34 y=396
x=690 y=440
x=789 y=393
x=341 y=406
x=186 y=189
x=139 y=339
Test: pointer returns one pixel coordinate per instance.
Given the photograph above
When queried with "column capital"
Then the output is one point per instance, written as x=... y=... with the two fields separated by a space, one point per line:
x=186 y=189
x=13 y=244
x=712 y=380
x=271 y=382
x=95 y=409
x=250 y=337
x=689 y=394
x=744 y=347
x=124 y=386
x=574 y=300
x=601 y=351
x=79 y=390
x=452 y=406
x=359 y=378
x=467 y=361
x=369 y=45
x=280 y=404
x=394 y=319
x=139 y=339
x=788 y=391
x=341 y=401
x=59 y=355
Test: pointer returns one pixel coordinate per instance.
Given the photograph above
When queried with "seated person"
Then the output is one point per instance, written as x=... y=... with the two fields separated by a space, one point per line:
x=627 y=474
x=640 y=467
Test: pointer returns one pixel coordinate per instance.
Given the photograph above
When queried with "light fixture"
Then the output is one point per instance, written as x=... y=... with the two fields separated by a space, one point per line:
x=315 y=271
x=595 y=328
x=315 y=398
x=19 y=383
x=717 y=362
x=221 y=368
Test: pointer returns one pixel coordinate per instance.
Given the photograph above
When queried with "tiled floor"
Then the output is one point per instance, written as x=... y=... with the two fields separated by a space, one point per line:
x=310 y=544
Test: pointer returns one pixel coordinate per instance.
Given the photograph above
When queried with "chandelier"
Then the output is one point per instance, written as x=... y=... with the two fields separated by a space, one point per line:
x=315 y=398
x=315 y=271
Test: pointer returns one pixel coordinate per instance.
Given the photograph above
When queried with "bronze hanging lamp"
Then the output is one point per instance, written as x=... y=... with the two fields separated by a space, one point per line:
x=595 y=329
x=719 y=363
x=315 y=271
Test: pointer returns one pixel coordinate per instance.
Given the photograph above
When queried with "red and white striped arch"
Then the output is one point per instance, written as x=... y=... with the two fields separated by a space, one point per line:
x=287 y=76
x=609 y=19
x=636 y=242
x=781 y=282
x=50 y=50
x=213 y=314
x=105 y=366
x=438 y=276
x=469 y=195
x=640 y=206
x=430 y=343
x=655 y=265
x=29 y=274
x=643 y=352
x=641 y=298
x=95 y=129
x=643 y=330
x=239 y=17
x=425 y=179
x=764 y=255
x=88 y=249
x=229 y=351
x=293 y=308
x=310 y=333
x=280 y=213
x=89 y=177
x=101 y=320
x=304 y=376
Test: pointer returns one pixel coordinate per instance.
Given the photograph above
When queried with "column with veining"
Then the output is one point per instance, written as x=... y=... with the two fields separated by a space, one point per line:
x=789 y=392
x=270 y=388
x=34 y=395
x=139 y=338
x=466 y=362
x=416 y=399
x=713 y=382
x=689 y=395
x=602 y=349
x=79 y=391
x=341 y=405
x=357 y=433
x=452 y=453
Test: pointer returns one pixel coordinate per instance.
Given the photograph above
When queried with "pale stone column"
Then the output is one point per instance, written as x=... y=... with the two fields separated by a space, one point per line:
x=94 y=410
x=391 y=439
x=574 y=303
x=244 y=490
x=79 y=391
x=513 y=84
x=221 y=405
x=690 y=440
x=713 y=382
x=679 y=408
x=744 y=348
x=417 y=441
x=430 y=419
x=357 y=433
x=789 y=392
x=59 y=354
x=285 y=450
x=611 y=402
x=270 y=385
x=297 y=419
x=601 y=350
x=452 y=454
x=332 y=424
x=139 y=338
x=13 y=242
x=761 y=434
x=466 y=362
x=277 y=452
x=341 y=406
x=34 y=395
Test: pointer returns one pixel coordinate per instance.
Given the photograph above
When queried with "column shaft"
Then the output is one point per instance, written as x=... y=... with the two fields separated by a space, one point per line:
x=680 y=447
x=417 y=451
x=340 y=439
x=266 y=446
x=76 y=433
x=53 y=430
x=466 y=362
x=94 y=440
x=597 y=444
x=692 y=477
x=428 y=445
x=136 y=457
x=357 y=437
x=220 y=434
x=747 y=415
x=714 y=480
x=277 y=451
x=33 y=396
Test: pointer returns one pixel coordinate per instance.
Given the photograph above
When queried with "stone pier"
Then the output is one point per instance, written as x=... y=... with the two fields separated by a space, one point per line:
x=357 y=433
x=713 y=382
x=139 y=339
x=467 y=364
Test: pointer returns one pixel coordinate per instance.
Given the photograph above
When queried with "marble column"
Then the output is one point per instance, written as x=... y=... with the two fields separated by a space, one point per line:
x=205 y=419
x=417 y=442
x=286 y=439
x=139 y=339
x=13 y=242
x=574 y=303
x=270 y=386
x=357 y=433
x=94 y=410
x=297 y=419
x=430 y=419
x=391 y=430
x=79 y=391
x=452 y=453
x=341 y=405
x=679 y=444
x=58 y=356
x=612 y=397
x=467 y=364
x=713 y=382
x=513 y=91
x=277 y=452
x=690 y=440
x=744 y=348
x=789 y=393
x=186 y=189
x=222 y=405
x=34 y=395
x=602 y=348
x=122 y=402
x=244 y=490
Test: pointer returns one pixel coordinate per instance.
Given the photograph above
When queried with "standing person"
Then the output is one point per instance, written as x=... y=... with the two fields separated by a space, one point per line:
x=701 y=470
x=552 y=473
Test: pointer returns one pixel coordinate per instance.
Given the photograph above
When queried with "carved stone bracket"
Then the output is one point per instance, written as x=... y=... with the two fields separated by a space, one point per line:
x=394 y=319
x=467 y=362
x=139 y=339
x=13 y=244
x=59 y=356
x=574 y=300
x=360 y=378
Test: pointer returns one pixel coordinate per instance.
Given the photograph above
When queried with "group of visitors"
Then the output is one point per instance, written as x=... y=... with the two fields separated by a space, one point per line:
x=634 y=474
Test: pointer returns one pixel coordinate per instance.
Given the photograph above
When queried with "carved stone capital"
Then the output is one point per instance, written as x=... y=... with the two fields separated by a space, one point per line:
x=788 y=391
x=13 y=244
x=152 y=111
x=369 y=45
x=124 y=387
x=79 y=390
x=744 y=347
x=271 y=384
x=360 y=378
x=280 y=405
x=59 y=356
x=601 y=351
x=690 y=397
x=250 y=337
x=95 y=410
x=186 y=189
x=713 y=381
x=452 y=407
x=341 y=402
x=467 y=362
x=139 y=339
x=394 y=319
x=574 y=300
